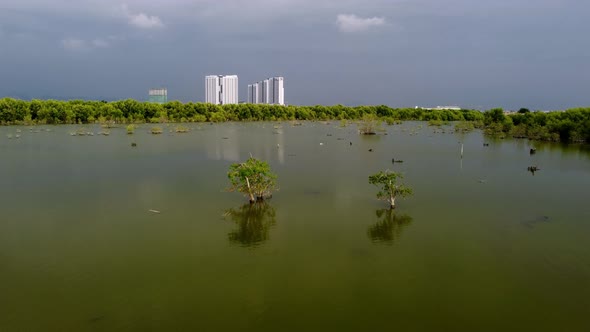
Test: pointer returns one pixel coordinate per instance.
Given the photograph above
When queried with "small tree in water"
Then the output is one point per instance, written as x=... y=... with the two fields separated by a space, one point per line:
x=389 y=189
x=252 y=178
x=369 y=125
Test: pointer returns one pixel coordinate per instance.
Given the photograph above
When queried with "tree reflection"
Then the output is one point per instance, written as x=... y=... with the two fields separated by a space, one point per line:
x=390 y=226
x=254 y=222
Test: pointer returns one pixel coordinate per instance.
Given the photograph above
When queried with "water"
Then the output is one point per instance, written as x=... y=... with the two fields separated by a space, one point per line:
x=483 y=245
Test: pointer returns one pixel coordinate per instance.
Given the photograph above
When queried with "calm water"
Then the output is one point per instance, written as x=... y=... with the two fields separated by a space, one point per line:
x=483 y=245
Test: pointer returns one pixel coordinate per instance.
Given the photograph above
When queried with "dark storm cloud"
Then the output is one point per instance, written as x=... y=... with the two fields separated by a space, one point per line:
x=397 y=52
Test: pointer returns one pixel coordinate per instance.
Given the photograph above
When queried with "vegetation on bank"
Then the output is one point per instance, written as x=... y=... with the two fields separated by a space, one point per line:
x=572 y=125
x=13 y=111
x=568 y=126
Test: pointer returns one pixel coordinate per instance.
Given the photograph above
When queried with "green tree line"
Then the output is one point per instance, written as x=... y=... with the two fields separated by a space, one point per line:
x=14 y=111
x=572 y=125
x=567 y=126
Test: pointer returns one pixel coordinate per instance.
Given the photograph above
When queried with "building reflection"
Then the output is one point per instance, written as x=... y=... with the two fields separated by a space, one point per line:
x=225 y=146
x=234 y=143
x=389 y=227
x=253 y=221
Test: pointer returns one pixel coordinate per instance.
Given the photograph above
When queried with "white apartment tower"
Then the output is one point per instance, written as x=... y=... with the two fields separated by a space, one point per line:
x=277 y=91
x=268 y=91
x=221 y=89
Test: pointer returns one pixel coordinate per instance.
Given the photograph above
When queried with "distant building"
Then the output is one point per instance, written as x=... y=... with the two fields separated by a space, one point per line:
x=221 y=89
x=159 y=95
x=254 y=93
x=278 y=91
x=268 y=91
x=440 y=108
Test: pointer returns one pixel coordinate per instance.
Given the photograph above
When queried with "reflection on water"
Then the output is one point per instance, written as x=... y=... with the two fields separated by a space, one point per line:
x=390 y=226
x=254 y=222
x=226 y=143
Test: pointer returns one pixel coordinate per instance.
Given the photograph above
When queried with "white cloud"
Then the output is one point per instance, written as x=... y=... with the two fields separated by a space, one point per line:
x=81 y=45
x=141 y=20
x=144 y=21
x=100 y=43
x=72 y=44
x=353 y=23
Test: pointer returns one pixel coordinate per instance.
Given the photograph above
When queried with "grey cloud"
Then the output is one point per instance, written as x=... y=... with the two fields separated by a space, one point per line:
x=81 y=45
x=73 y=44
x=100 y=43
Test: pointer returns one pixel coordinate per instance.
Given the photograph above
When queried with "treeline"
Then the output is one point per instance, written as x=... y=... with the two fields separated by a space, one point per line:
x=572 y=125
x=13 y=111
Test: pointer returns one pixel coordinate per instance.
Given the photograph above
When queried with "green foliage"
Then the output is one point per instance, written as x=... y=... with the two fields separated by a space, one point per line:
x=253 y=178
x=392 y=121
x=132 y=111
x=130 y=129
x=464 y=126
x=495 y=115
x=566 y=126
x=437 y=123
x=156 y=130
x=389 y=189
x=369 y=124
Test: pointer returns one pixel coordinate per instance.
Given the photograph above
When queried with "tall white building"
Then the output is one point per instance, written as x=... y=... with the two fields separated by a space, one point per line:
x=277 y=95
x=268 y=91
x=212 y=89
x=221 y=89
x=265 y=92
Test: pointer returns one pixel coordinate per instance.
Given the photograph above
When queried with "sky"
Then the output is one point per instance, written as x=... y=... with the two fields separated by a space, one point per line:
x=403 y=53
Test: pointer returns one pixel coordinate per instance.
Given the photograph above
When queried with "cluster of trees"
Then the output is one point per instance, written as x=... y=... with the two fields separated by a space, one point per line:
x=572 y=125
x=14 y=111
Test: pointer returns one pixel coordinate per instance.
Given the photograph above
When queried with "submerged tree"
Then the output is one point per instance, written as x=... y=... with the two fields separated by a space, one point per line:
x=389 y=227
x=389 y=189
x=252 y=178
x=254 y=222
x=369 y=125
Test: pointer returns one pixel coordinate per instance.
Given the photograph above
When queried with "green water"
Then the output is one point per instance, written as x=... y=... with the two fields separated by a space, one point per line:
x=483 y=245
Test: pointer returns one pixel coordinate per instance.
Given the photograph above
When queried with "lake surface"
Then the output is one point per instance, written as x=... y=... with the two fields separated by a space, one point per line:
x=483 y=245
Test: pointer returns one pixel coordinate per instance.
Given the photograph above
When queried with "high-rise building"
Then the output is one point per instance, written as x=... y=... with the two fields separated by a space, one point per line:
x=261 y=94
x=269 y=91
x=212 y=89
x=277 y=95
x=265 y=92
x=159 y=95
x=221 y=89
x=254 y=93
